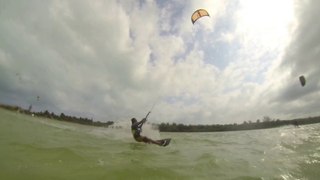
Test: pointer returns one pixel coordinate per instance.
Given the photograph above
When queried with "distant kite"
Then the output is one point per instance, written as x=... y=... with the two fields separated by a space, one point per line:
x=198 y=14
x=302 y=80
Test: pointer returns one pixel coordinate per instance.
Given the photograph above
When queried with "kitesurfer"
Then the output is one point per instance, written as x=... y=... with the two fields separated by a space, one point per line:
x=136 y=128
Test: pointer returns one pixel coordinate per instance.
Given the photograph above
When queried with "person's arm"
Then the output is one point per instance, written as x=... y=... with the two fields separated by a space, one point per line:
x=142 y=122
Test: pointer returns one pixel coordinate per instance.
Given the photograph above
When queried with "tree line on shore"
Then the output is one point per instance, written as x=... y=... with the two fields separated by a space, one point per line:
x=61 y=117
x=265 y=123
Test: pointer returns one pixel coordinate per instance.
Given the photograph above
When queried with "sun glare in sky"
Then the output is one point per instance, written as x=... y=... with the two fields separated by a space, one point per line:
x=268 y=22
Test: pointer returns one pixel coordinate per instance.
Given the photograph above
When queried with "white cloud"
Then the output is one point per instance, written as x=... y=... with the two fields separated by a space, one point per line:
x=227 y=37
x=114 y=59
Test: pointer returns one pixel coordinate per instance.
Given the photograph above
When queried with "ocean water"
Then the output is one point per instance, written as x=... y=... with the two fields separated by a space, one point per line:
x=38 y=148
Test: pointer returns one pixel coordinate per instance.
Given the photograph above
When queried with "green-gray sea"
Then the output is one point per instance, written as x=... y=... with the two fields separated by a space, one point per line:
x=37 y=148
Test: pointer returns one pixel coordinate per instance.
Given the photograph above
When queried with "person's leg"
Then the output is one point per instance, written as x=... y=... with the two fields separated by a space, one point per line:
x=139 y=139
x=148 y=140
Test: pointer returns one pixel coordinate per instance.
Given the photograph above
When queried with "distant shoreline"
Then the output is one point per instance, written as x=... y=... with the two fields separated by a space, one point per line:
x=166 y=127
x=61 y=117
x=173 y=127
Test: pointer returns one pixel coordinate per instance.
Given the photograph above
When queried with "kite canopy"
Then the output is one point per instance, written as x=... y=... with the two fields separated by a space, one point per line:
x=302 y=80
x=198 y=14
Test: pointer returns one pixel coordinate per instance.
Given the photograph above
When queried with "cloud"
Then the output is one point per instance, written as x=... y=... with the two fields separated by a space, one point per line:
x=301 y=58
x=114 y=60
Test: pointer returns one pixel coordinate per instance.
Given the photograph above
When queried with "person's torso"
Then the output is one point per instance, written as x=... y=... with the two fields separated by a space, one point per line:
x=135 y=129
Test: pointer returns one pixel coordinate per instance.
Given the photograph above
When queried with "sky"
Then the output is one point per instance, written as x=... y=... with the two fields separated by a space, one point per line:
x=117 y=59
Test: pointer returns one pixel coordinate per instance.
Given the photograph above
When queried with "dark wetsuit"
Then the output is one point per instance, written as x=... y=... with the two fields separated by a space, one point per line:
x=136 y=130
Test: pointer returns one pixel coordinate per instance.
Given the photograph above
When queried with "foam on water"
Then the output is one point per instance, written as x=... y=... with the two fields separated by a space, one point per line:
x=122 y=130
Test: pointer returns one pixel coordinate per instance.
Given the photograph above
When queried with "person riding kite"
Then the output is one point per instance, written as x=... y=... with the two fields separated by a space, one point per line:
x=136 y=129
